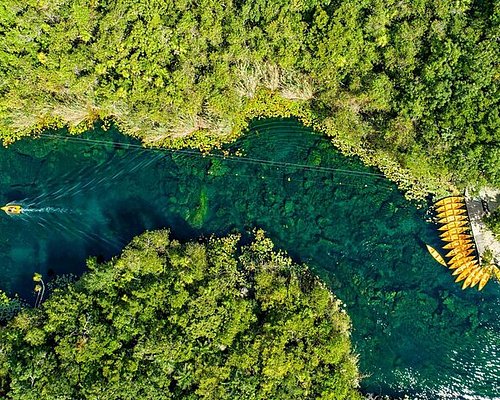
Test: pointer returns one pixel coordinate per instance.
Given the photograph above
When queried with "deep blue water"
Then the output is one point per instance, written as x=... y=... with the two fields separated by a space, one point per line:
x=416 y=331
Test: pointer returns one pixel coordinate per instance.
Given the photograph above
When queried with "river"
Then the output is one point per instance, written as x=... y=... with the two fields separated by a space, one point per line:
x=416 y=331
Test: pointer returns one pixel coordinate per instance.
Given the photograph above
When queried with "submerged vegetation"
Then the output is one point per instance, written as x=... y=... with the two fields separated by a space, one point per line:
x=410 y=86
x=166 y=320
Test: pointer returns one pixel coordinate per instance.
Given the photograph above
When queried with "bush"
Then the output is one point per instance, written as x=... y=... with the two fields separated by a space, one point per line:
x=492 y=221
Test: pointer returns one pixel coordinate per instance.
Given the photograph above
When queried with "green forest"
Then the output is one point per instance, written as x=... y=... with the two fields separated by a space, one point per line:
x=409 y=86
x=212 y=319
x=492 y=221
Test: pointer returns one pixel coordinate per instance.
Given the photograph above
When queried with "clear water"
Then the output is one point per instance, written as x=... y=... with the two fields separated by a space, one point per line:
x=416 y=331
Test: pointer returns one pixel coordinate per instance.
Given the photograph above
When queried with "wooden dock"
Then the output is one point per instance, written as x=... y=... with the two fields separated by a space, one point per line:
x=483 y=237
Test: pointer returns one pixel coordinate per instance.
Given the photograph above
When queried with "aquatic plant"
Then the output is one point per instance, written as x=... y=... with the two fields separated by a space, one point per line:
x=197 y=216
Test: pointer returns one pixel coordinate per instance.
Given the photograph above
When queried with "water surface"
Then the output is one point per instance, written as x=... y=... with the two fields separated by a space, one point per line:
x=417 y=333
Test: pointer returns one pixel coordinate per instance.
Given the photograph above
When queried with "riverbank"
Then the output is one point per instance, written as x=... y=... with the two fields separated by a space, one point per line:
x=417 y=182
x=268 y=104
x=196 y=77
x=478 y=206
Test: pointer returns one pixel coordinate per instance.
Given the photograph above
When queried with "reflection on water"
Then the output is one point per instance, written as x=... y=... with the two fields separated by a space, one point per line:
x=416 y=331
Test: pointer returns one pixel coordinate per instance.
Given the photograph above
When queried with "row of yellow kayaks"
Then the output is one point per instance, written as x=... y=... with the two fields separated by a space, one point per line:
x=467 y=267
x=451 y=200
x=459 y=244
x=472 y=274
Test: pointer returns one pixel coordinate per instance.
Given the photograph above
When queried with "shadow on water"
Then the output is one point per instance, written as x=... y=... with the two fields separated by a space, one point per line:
x=416 y=331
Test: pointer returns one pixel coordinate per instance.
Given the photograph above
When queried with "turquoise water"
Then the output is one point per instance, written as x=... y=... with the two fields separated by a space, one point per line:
x=417 y=333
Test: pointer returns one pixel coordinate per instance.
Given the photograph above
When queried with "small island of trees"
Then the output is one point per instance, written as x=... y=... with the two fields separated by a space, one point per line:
x=166 y=320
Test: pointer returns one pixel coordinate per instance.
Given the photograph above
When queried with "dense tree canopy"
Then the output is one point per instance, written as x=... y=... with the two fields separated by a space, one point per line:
x=183 y=321
x=492 y=221
x=410 y=85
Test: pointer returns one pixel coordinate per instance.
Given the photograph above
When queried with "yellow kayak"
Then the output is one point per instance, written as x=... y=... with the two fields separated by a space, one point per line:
x=451 y=213
x=459 y=249
x=449 y=207
x=496 y=272
x=466 y=273
x=460 y=262
x=456 y=243
x=436 y=255
x=471 y=277
x=12 y=209
x=455 y=231
x=454 y=237
x=449 y=200
x=451 y=225
x=461 y=255
x=455 y=234
x=484 y=280
x=452 y=218
x=459 y=268
x=478 y=278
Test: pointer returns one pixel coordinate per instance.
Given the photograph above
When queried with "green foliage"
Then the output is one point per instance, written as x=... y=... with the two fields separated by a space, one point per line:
x=410 y=85
x=183 y=321
x=9 y=307
x=492 y=221
x=487 y=257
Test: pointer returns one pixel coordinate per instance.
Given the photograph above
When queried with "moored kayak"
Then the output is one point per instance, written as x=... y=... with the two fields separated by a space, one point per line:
x=450 y=213
x=450 y=207
x=452 y=218
x=484 y=281
x=453 y=237
x=459 y=249
x=451 y=225
x=436 y=255
x=460 y=262
x=466 y=273
x=461 y=255
x=456 y=243
x=478 y=278
x=459 y=268
x=470 y=278
x=450 y=200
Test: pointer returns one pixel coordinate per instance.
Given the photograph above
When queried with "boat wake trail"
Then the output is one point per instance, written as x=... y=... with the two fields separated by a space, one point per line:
x=47 y=210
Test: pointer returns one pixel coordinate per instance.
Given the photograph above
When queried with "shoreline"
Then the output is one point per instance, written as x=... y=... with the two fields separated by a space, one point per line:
x=483 y=237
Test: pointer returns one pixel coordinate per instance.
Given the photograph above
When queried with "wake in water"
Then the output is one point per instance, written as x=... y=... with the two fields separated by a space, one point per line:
x=69 y=205
x=75 y=224
x=60 y=210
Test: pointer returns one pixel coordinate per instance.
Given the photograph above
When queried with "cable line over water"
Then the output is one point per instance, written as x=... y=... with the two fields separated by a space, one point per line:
x=241 y=159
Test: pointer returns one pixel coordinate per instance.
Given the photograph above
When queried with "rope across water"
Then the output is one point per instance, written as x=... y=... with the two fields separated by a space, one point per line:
x=241 y=159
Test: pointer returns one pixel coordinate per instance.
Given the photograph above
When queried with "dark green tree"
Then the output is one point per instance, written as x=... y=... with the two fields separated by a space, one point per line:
x=167 y=320
x=492 y=221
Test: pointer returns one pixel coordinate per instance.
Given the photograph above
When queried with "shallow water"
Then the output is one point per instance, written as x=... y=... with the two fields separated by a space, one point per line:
x=417 y=333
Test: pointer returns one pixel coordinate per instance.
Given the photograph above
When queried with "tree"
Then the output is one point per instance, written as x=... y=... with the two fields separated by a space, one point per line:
x=166 y=320
x=492 y=221
x=411 y=86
